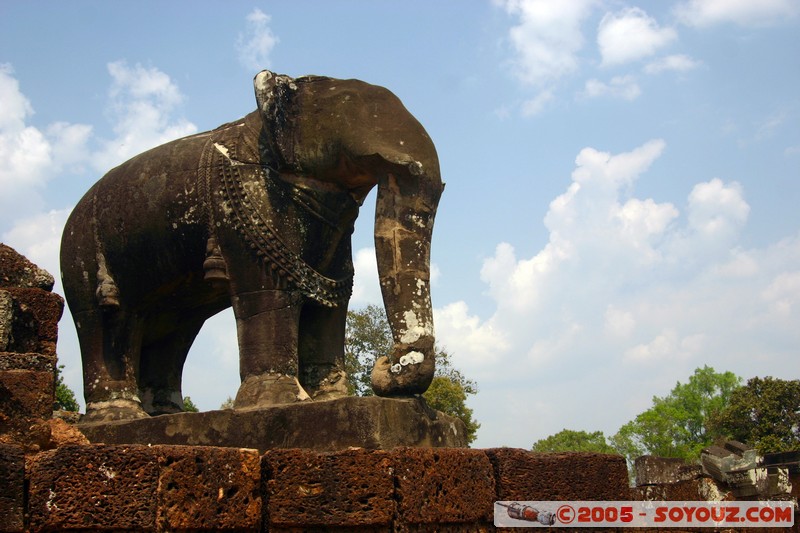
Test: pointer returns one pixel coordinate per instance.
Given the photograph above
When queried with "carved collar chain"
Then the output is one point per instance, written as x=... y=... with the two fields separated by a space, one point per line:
x=265 y=242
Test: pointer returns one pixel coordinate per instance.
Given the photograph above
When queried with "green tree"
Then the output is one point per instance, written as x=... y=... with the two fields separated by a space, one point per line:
x=189 y=406
x=65 y=397
x=568 y=440
x=448 y=393
x=368 y=336
x=675 y=426
x=227 y=404
x=765 y=413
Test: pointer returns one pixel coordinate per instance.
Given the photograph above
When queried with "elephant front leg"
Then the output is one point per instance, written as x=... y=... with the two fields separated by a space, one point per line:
x=267 y=328
x=322 y=366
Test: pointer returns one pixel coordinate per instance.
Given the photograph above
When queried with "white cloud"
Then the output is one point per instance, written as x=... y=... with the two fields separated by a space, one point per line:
x=624 y=285
x=142 y=101
x=535 y=105
x=703 y=13
x=547 y=38
x=771 y=124
x=546 y=41
x=477 y=344
x=665 y=346
x=618 y=322
x=255 y=44
x=366 y=287
x=783 y=294
x=29 y=157
x=630 y=35
x=717 y=210
x=612 y=171
x=674 y=63
x=624 y=87
x=38 y=237
x=14 y=106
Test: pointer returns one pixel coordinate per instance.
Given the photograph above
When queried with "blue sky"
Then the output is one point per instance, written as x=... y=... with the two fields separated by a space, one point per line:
x=622 y=177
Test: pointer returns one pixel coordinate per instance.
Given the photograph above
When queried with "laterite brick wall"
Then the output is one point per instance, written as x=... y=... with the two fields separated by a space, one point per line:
x=188 y=488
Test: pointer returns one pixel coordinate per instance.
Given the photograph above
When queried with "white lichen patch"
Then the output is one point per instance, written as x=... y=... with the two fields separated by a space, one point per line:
x=414 y=328
x=110 y=474
x=412 y=358
x=418 y=221
x=50 y=499
x=420 y=287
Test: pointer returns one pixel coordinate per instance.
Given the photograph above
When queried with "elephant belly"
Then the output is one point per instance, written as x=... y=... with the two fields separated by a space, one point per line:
x=142 y=228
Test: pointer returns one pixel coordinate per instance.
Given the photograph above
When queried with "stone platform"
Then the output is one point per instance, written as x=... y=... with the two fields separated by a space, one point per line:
x=370 y=422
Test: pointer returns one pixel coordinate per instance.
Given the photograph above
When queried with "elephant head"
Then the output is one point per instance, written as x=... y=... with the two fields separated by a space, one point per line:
x=353 y=135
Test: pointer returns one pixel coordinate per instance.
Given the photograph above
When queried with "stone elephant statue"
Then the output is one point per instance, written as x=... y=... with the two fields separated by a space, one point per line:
x=258 y=215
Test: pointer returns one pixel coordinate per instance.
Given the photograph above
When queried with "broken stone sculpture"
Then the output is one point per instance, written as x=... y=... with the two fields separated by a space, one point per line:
x=256 y=214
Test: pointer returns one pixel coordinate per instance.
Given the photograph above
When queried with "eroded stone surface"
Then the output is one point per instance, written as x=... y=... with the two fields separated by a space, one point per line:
x=652 y=470
x=530 y=476
x=31 y=324
x=97 y=486
x=26 y=393
x=698 y=489
x=443 y=485
x=17 y=271
x=345 y=489
x=369 y=422
x=208 y=488
x=12 y=488
x=145 y=488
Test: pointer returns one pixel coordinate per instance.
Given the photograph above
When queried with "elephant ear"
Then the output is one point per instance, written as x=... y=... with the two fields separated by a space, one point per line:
x=265 y=84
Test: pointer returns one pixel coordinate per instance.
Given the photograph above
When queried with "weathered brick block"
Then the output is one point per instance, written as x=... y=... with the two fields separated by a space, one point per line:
x=701 y=489
x=529 y=476
x=310 y=490
x=12 y=488
x=651 y=470
x=27 y=393
x=34 y=320
x=443 y=486
x=204 y=488
x=34 y=362
x=17 y=271
x=96 y=487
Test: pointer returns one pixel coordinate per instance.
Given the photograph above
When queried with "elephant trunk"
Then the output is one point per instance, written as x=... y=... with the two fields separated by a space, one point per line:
x=404 y=216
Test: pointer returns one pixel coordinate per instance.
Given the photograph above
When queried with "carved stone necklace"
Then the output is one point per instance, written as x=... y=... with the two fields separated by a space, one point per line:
x=257 y=233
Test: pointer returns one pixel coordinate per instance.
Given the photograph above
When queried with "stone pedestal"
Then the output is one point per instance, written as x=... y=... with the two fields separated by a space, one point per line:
x=371 y=423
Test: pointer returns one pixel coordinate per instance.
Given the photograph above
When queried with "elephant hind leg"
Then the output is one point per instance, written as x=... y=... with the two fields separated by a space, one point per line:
x=110 y=345
x=161 y=369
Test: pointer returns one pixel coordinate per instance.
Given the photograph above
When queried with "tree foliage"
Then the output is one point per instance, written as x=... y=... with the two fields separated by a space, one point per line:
x=189 y=406
x=368 y=336
x=675 y=426
x=568 y=440
x=65 y=397
x=765 y=414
